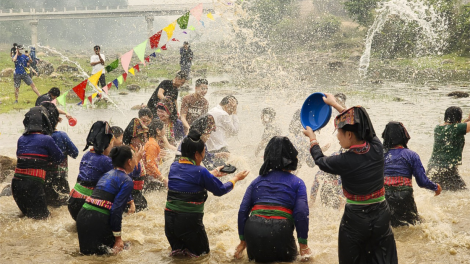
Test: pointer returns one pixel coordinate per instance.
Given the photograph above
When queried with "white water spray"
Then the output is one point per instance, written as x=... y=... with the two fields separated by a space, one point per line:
x=82 y=72
x=433 y=25
x=64 y=59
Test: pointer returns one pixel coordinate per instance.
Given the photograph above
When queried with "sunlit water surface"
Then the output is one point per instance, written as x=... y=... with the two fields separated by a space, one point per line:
x=442 y=238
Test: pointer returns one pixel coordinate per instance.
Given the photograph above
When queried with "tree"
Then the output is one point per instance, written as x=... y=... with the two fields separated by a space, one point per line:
x=361 y=11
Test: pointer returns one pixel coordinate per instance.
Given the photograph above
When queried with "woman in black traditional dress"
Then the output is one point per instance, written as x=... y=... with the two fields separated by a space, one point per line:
x=365 y=234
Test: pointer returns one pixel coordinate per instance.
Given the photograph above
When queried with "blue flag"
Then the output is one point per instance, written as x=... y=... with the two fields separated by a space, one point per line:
x=116 y=83
x=153 y=55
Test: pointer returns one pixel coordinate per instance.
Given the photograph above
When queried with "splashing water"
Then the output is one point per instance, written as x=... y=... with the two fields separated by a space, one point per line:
x=432 y=24
x=82 y=72
x=65 y=58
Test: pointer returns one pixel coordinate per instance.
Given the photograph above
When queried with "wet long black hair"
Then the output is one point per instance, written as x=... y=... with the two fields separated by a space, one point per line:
x=453 y=115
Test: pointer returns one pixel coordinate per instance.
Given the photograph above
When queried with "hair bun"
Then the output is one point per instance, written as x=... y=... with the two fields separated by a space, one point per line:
x=114 y=152
x=194 y=135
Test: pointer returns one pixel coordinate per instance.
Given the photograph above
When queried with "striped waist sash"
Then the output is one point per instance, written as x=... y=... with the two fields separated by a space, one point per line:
x=100 y=203
x=81 y=192
x=272 y=212
x=377 y=196
x=138 y=185
x=32 y=172
x=396 y=181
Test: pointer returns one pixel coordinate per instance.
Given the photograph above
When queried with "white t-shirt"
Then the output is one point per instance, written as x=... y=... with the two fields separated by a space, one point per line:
x=98 y=67
x=226 y=124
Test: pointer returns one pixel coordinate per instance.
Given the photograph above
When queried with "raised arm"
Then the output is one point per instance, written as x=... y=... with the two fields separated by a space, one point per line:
x=330 y=100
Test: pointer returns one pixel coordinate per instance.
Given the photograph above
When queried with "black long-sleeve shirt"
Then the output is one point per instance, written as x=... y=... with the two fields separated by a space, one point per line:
x=361 y=174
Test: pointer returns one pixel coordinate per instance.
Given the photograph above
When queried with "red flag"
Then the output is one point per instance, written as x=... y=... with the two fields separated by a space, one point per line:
x=107 y=87
x=155 y=39
x=147 y=59
x=80 y=90
x=174 y=39
x=137 y=67
x=124 y=75
x=164 y=47
x=90 y=98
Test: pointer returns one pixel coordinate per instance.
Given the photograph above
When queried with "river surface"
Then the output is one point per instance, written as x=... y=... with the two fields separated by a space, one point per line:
x=442 y=238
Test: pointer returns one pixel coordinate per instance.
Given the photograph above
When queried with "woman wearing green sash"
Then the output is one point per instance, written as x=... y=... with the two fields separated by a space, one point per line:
x=100 y=219
x=188 y=183
x=94 y=164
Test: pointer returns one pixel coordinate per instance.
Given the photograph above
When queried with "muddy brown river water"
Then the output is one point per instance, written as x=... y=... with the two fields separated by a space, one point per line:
x=443 y=237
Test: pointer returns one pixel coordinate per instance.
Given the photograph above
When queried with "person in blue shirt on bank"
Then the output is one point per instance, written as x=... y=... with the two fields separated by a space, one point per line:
x=21 y=62
x=99 y=222
x=188 y=183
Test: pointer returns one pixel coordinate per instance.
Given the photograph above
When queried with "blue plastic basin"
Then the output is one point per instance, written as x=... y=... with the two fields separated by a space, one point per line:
x=315 y=113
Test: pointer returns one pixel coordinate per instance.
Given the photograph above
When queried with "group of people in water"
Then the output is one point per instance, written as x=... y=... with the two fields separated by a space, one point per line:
x=124 y=164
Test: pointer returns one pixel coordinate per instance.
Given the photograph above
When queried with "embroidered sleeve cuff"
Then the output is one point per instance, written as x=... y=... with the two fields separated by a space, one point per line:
x=302 y=241
x=242 y=237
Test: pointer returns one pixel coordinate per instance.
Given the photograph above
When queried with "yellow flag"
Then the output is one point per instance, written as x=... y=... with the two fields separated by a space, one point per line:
x=131 y=70
x=169 y=29
x=95 y=77
x=210 y=16
x=94 y=95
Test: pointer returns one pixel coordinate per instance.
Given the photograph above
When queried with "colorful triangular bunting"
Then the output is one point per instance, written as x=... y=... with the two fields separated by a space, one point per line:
x=95 y=77
x=137 y=67
x=183 y=21
x=140 y=51
x=80 y=90
x=112 y=66
x=169 y=29
x=120 y=79
x=155 y=39
x=61 y=98
x=131 y=70
x=124 y=76
x=116 y=83
x=210 y=16
x=126 y=59
x=197 y=12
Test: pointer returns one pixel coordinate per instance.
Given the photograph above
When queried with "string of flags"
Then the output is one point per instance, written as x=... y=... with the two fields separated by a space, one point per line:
x=139 y=50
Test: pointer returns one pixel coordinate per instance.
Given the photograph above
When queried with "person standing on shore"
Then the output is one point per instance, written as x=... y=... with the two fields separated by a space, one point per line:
x=194 y=105
x=97 y=61
x=186 y=58
x=21 y=62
